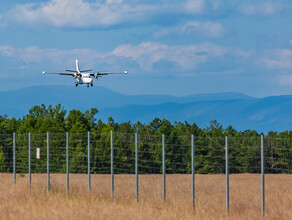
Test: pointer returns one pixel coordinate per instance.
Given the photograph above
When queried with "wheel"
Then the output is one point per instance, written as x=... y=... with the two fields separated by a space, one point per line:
x=88 y=86
x=91 y=84
x=76 y=85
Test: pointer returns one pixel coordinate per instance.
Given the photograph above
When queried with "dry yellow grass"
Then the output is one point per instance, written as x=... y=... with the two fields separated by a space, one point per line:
x=245 y=201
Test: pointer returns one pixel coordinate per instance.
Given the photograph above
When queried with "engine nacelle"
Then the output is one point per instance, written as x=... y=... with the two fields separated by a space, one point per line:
x=75 y=76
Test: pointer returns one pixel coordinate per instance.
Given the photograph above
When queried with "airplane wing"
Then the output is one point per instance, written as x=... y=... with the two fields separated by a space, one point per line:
x=103 y=74
x=73 y=71
x=66 y=74
x=84 y=71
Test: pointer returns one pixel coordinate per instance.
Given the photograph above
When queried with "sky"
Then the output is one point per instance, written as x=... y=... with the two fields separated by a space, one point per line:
x=168 y=47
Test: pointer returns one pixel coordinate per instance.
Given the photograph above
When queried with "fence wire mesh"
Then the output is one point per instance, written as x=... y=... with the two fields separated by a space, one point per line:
x=244 y=154
x=143 y=153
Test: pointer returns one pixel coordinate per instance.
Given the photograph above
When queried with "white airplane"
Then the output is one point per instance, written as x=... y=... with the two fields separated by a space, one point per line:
x=84 y=76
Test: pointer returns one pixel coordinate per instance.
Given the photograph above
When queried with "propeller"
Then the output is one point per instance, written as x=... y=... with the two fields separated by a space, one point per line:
x=96 y=75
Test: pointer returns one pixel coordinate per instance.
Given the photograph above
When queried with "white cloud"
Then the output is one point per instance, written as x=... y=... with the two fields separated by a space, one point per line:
x=77 y=13
x=36 y=56
x=266 y=8
x=209 y=29
x=279 y=59
x=194 y=6
x=186 y=57
x=106 y=13
x=144 y=56
x=98 y=13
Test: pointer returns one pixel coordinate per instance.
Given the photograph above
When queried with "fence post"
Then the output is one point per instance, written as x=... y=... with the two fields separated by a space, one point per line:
x=193 y=171
x=112 y=164
x=14 y=159
x=263 y=175
x=67 y=161
x=29 y=161
x=163 y=168
x=88 y=161
x=136 y=166
x=48 y=162
x=227 y=173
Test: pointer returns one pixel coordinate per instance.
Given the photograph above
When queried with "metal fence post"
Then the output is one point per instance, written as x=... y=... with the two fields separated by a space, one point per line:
x=67 y=161
x=29 y=161
x=48 y=162
x=163 y=168
x=227 y=172
x=136 y=166
x=112 y=164
x=263 y=175
x=193 y=171
x=14 y=159
x=88 y=161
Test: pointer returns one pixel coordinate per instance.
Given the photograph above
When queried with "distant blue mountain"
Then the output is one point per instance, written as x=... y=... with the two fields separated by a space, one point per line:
x=18 y=102
x=240 y=111
x=263 y=115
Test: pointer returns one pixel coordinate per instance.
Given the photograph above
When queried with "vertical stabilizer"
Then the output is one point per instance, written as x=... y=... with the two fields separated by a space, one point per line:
x=77 y=66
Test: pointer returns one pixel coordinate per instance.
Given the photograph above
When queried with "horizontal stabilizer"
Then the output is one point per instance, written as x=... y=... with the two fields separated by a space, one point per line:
x=73 y=71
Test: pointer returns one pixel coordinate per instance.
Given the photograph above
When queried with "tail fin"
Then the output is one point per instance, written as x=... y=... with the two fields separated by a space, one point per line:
x=77 y=66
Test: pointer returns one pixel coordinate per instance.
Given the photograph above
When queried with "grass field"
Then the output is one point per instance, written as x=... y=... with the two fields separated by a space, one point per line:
x=245 y=198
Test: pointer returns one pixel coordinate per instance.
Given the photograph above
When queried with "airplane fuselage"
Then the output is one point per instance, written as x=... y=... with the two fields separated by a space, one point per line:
x=84 y=79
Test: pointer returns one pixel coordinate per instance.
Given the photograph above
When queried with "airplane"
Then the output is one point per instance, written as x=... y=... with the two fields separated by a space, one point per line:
x=84 y=76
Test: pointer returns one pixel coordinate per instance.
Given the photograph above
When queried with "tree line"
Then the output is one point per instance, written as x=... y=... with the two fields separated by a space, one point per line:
x=209 y=142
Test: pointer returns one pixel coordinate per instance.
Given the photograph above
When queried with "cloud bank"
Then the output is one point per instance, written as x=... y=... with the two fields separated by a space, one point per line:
x=105 y=13
x=99 y=13
x=278 y=59
x=145 y=56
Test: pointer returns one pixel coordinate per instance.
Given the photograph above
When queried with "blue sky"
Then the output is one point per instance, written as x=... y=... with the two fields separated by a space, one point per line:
x=168 y=46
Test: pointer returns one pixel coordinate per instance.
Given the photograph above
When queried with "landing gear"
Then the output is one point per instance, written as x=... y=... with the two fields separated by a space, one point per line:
x=91 y=84
x=87 y=85
x=76 y=84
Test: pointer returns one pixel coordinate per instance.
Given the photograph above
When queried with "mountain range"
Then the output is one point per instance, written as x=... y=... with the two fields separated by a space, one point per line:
x=236 y=109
